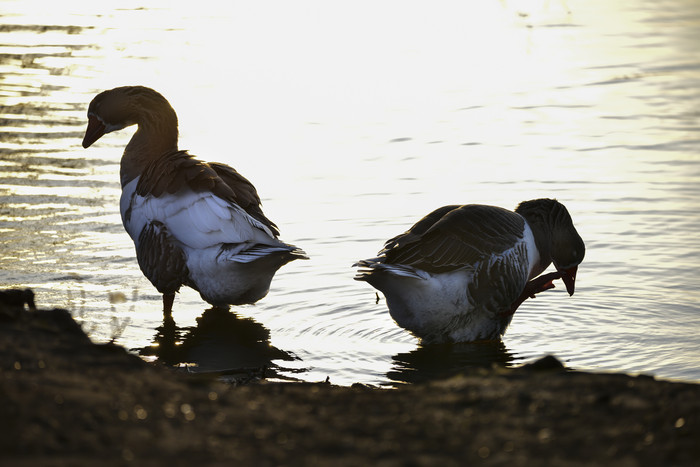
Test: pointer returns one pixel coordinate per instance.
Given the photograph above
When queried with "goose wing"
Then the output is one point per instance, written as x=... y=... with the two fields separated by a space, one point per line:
x=197 y=206
x=172 y=171
x=419 y=228
x=461 y=236
x=245 y=193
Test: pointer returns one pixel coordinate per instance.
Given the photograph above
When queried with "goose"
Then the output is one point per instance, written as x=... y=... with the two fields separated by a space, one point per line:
x=460 y=273
x=193 y=223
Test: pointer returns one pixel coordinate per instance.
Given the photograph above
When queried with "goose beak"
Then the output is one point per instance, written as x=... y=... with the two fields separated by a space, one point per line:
x=94 y=131
x=569 y=278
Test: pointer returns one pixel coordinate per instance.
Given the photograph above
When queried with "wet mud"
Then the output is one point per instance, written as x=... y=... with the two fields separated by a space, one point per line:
x=68 y=401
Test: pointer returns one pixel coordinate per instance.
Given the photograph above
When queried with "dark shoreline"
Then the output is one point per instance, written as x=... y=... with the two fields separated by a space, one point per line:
x=67 y=401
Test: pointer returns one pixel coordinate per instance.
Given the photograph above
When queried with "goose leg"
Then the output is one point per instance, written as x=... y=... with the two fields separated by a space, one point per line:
x=168 y=299
x=535 y=286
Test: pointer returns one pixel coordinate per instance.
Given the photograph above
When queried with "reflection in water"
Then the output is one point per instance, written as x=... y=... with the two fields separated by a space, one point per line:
x=428 y=362
x=236 y=348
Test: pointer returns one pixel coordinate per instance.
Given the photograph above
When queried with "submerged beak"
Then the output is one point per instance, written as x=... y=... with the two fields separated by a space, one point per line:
x=94 y=131
x=569 y=278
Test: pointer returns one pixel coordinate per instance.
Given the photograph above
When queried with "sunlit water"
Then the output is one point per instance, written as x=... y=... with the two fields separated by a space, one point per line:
x=354 y=120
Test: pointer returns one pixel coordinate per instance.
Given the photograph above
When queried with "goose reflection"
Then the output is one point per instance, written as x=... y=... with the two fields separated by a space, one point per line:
x=236 y=349
x=436 y=361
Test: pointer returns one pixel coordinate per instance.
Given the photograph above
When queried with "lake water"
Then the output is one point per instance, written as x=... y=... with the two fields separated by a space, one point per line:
x=353 y=120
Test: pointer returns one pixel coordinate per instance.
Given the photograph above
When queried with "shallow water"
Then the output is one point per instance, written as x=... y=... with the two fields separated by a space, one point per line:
x=354 y=121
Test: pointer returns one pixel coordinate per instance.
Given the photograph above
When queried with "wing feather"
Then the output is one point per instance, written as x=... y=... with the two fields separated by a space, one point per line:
x=201 y=204
x=172 y=171
x=418 y=229
x=462 y=236
x=218 y=207
x=245 y=193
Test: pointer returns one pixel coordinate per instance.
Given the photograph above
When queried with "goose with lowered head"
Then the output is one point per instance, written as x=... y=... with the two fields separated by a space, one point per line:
x=193 y=223
x=460 y=273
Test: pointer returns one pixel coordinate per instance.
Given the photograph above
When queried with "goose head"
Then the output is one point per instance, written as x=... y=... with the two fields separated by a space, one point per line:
x=568 y=251
x=558 y=241
x=109 y=111
x=124 y=106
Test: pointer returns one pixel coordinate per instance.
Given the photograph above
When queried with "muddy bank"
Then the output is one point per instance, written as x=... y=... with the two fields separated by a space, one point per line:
x=67 y=401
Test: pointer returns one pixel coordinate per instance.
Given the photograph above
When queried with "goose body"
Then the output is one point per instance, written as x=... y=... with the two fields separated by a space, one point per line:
x=459 y=274
x=193 y=223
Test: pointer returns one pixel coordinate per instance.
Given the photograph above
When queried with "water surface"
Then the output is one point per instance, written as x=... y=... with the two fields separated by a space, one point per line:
x=354 y=120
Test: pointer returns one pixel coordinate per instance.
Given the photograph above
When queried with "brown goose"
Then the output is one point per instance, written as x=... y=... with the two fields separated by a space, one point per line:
x=193 y=223
x=459 y=274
